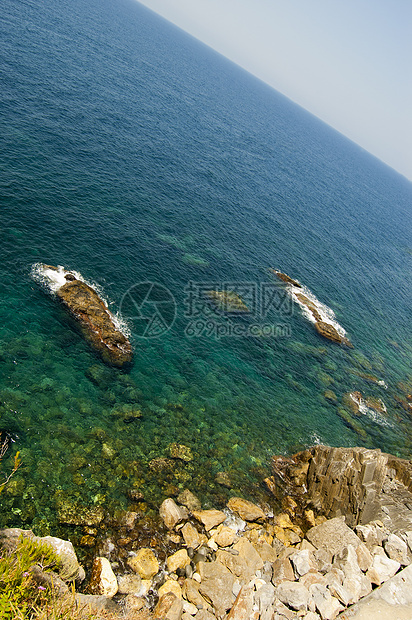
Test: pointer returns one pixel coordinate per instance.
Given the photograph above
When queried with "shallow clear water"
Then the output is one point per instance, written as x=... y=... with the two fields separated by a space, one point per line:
x=132 y=153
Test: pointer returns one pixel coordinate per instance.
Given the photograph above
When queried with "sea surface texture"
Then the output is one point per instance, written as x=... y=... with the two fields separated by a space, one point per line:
x=159 y=171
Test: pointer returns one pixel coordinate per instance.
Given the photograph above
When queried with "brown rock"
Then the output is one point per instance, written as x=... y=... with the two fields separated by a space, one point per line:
x=171 y=513
x=333 y=536
x=191 y=536
x=209 y=518
x=246 y=510
x=243 y=605
x=188 y=499
x=102 y=580
x=285 y=278
x=282 y=571
x=328 y=331
x=216 y=586
x=96 y=321
x=169 y=607
x=180 y=559
x=144 y=563
x=179 y=451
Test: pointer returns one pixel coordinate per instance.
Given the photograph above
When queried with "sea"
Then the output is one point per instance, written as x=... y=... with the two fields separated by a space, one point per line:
x=159 y=171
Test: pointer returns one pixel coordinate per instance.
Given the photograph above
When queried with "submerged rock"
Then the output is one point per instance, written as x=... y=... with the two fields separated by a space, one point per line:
x=228 y=301
x=96 y=322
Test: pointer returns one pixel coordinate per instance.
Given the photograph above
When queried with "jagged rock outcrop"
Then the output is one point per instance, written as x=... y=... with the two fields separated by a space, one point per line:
x=322 y=324
x=96 y=322
x=364 y=485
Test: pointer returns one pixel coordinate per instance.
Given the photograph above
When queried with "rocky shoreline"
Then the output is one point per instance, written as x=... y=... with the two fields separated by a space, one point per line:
x=325 y=555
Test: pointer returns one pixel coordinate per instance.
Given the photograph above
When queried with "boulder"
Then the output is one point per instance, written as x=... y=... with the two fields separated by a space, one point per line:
x=333 y=535
x=180 y=559
x=169 y=607
x=188 y=499
x=96 y=322
x=293 y=594
x=69 y=568
x=103 y=580
x=285 y=278
x=144 y=563
x=327 y=330
x=216 y=586
x=246 y=510
x=209 y=518
x=170 y=585
x=171 y=513
x=382 y=569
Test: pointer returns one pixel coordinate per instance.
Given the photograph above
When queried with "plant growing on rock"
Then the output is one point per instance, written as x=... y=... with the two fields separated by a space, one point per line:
x=4 y=444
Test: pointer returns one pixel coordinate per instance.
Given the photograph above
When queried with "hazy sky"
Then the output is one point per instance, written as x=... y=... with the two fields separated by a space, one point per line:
x=349 y=62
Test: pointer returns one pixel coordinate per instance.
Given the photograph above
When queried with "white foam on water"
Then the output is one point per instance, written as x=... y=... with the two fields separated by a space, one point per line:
x=53 y=279
x=326 y=314
x=373 y=414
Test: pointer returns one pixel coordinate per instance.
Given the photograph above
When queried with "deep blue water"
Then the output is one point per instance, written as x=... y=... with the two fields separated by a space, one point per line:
x=132 y=153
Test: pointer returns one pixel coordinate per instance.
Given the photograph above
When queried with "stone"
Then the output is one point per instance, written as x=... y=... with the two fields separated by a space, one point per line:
x=246 y=510
x=180 y=451
x=216 y=586
x=169 y=607
x=209 y=518
x=311 y=578
x=171 y=513
x=74 y=513
x=243 y=606
x=103 y=580
x=248 y=553
x=282 y=571
x=94 y=604
x=266 y=552
x=327 y=330
x=293 y=594
x=397 y=549
x=188 y=499
x=303 y=562
x=69 y=569
x=96 y=322
x=170 y=585
x=333 y=535
x=191 y=536
x=223 y=478
x=323 y=559
x=225 y=536
x=311 y=615
x=364 y=557
x=189 y=608
x=134 y=603
x=180 y=559
x=371 y=534
x=129 y=584
x=285 y=278
x=305 y=544
x=203 y=614
x=339 y=591
x=327 y=605
x=392 y=600
x=191 y=592
x=264 y=597
x=382 y=569
x=283 y=520
x=144 y=563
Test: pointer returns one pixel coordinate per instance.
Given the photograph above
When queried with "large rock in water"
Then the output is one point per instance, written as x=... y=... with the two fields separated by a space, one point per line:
x=95 y=320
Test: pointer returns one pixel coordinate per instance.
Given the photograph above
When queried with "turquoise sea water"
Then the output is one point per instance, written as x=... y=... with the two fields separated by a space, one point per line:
x=132 y=153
